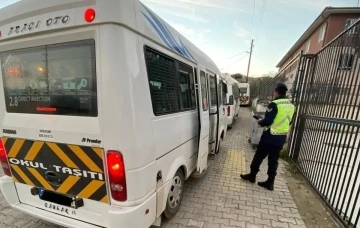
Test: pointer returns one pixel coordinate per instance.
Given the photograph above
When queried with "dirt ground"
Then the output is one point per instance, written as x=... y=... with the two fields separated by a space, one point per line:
x=310 y=205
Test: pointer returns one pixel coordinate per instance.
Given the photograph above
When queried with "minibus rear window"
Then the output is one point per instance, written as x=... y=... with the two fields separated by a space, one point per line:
x=54 y=79
x=243 y=90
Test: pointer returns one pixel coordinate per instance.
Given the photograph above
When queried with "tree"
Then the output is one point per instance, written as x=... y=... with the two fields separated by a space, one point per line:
x=263 y=79
x=270 y=74
x=238 y=76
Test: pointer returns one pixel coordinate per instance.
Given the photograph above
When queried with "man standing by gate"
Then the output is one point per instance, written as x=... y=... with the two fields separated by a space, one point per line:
x=276 y=123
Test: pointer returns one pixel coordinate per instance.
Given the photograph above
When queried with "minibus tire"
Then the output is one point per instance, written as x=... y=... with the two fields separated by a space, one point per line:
x=170 y=210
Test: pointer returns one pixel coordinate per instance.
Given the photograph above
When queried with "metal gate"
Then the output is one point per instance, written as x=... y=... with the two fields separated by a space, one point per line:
x=324 y=142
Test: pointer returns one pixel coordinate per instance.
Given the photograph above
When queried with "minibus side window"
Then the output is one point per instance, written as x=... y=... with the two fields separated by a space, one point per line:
x=187 y=87
x=204 y=91
x=224 y=91
x=171 y=83
x=235 y=92
x=220 y=93
x=213 y=91
x=192 y=88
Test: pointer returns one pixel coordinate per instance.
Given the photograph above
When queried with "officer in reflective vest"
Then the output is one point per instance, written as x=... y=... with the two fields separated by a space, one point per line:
x=276 y=123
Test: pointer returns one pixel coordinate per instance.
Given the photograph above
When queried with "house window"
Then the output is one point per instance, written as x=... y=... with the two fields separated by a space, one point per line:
x=346 y=61
x=348 y=24
x=307 y=48
x=322 y=33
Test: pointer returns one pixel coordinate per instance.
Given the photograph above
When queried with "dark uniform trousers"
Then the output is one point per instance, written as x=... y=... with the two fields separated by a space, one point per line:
x=271 y=146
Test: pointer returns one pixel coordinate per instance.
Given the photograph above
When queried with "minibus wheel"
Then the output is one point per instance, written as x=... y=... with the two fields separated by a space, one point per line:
x=175 y=195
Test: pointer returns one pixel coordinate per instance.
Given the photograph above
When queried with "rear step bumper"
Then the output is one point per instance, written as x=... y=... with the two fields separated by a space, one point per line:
x=134 y=217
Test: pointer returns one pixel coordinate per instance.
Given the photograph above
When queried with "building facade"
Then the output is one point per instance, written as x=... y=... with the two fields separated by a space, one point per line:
x=327 y=26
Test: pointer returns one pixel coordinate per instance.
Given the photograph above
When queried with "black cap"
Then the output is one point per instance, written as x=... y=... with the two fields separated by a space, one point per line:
x=281 y=86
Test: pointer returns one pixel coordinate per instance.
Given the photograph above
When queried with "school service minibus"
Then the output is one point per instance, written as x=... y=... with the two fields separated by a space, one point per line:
x=232 y=100
x=244 y=89
x=105 y=111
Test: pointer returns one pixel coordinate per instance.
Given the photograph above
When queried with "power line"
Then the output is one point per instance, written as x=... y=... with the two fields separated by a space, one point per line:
x=233 y=56
x=262 y=14
x=235 y=62
x=252 y=21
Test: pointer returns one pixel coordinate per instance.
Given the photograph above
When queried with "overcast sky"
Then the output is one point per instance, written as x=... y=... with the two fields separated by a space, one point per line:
x=224 y=28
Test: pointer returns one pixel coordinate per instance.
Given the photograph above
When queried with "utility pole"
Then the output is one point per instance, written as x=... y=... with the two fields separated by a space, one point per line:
x=248 y=70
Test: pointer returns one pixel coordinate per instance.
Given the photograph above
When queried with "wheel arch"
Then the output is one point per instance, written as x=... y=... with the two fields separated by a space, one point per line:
x=178 y=163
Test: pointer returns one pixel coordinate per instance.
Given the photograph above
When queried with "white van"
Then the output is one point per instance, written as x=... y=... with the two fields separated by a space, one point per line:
x=105 y=111
x=244 y=89
x=232 y=100
x=217 y=111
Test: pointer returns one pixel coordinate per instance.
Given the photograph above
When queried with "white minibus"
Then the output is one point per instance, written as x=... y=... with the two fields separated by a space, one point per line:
x=232 y=100
x=244 y=89
x=105 y=111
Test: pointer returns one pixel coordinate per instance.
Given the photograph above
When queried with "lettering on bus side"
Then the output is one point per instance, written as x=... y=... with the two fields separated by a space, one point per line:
x=45 y=134
x=33 y=25
x=9 y=131
x=59 y=169
x=87 y=140
x=23 y=28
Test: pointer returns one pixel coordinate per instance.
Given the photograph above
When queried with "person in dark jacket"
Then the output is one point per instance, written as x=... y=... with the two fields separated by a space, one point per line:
x=276 y=123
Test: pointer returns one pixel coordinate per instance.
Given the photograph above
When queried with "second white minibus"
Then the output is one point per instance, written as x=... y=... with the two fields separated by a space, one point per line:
x=232 y=100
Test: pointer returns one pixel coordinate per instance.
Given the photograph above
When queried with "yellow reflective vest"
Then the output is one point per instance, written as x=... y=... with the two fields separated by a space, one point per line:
x=285 y=112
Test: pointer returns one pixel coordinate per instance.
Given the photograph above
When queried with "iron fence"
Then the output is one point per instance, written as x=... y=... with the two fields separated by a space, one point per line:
x=263 y=88
x=325 y=139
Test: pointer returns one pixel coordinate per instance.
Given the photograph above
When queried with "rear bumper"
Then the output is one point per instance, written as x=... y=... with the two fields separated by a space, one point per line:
x=229 y=120
x=134 y=217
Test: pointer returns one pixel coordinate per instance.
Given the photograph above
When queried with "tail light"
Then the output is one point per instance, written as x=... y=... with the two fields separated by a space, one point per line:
x=4 y=160
x=117 y=178
x=228 y=110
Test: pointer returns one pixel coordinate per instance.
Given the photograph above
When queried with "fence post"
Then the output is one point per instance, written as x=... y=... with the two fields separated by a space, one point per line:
x=307 y=66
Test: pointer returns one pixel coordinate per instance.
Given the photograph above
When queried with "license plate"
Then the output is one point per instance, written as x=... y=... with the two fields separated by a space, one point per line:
x=59 y=202
x=61 y=209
